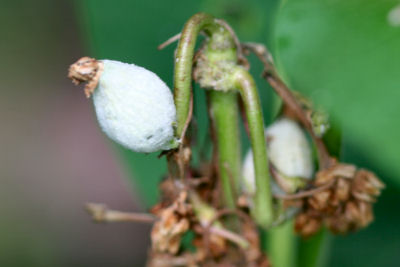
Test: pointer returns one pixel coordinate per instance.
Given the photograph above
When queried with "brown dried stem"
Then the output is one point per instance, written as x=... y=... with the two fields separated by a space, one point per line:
x=231 y=236
x=307 y=193
x=242 y=242
x=172 y=39
x=100 y=213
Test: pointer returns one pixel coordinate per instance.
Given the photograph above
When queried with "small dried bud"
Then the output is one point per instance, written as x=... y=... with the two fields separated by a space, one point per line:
x=167 y=233
x=320 y=200
x=342 y=191
x=346 y=171
x=306 y=224
x=366 y=186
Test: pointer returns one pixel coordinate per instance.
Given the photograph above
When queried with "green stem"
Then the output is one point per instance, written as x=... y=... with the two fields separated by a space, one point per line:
x=182 y=84
x=263 y=208
x=224 y=110
x=184 y=63
x=282 y=245
x=224 y=105
x=314 y=251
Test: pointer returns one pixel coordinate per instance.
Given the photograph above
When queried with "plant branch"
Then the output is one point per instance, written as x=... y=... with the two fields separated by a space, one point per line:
x=282 y=245
x=169 y=41
x=231 y=236
x=100 y=213
x=306 y=193
x=263 y=208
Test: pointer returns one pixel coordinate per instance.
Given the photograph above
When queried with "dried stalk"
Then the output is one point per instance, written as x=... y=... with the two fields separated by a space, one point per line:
x=100 y=213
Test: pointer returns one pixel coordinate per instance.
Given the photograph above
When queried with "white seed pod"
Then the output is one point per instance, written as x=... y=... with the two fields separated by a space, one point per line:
x=290 y=154
x=289 y=150
x=134 y=107
x=248 y=184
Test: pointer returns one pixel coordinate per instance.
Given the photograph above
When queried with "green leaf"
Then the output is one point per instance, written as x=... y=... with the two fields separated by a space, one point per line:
x=345 y=55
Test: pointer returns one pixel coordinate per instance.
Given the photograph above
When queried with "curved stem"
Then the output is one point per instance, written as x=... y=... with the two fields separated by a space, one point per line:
x=182 y=86
x=263 y=209
x=224 y=106
x=184 y=62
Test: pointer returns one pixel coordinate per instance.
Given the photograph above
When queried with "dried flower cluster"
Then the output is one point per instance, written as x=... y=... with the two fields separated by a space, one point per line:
x=188 y=209
x=173 y=223
x=343 y=207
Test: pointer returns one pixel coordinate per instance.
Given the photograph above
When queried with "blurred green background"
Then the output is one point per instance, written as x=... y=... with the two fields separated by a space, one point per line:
x=345 y=55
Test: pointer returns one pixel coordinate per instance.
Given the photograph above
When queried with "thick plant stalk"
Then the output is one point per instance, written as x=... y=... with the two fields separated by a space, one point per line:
x=314 y=252
x=224 y=110
x=282 y=245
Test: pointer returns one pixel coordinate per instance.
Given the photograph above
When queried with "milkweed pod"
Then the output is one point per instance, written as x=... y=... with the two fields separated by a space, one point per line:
x=289 y=153
x=134 y=107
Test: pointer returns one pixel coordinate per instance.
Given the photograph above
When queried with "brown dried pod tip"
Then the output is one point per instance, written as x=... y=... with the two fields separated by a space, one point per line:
x=343 y=207
x=88 y=70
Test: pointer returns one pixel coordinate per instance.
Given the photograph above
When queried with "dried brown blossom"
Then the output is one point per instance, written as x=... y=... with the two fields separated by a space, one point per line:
x=167 y=233
x=209 y=245
x=307 y=224
x=366 y=186
x=254 y=255
x=343 y=207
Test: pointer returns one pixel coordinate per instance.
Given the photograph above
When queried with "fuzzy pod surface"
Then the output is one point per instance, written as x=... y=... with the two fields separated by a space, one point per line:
x=289 y=152
x=134 y=107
